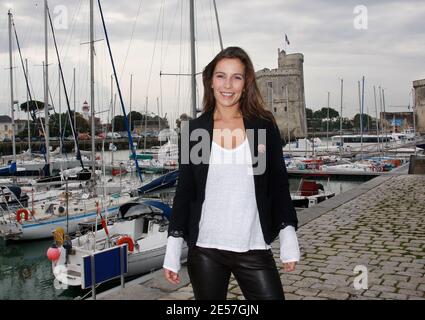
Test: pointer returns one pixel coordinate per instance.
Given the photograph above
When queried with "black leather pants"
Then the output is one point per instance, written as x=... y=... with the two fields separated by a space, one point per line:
x=255 y=271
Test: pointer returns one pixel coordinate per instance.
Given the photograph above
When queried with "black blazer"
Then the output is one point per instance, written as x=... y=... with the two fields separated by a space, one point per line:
x=271 y=187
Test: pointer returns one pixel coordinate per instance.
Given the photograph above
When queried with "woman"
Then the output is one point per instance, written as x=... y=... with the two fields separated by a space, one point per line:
x=232 y=198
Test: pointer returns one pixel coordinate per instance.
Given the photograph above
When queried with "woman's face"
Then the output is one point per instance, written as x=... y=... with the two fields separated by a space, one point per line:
x=228 y=82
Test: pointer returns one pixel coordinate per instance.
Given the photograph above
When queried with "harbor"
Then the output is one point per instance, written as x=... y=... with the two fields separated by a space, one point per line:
x=374 y=229
x=94 y=107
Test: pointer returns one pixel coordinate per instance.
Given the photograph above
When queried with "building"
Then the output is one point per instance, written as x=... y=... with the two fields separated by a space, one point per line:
x=86 y=111
x=419 y=102
x=397 y=121
x=6 y=131
x=86 y=114
x=5 y=128
x=283 y=92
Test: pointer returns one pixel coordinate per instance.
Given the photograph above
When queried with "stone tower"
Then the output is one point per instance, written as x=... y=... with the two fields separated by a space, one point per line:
x=283 y=92
x=419 y=86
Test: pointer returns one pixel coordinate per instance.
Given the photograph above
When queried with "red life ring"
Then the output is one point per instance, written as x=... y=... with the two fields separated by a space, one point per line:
x=128 y=241
x=19 y=212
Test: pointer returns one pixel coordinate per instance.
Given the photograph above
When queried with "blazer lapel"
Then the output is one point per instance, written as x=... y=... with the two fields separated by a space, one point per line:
x=208 y=124
x=251 y=128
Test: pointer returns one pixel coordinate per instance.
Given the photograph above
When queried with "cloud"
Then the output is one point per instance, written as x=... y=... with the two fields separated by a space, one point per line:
x=390 y=52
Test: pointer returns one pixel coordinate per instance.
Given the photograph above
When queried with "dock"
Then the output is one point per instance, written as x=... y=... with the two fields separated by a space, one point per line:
x=375 y=231
x=347 y=174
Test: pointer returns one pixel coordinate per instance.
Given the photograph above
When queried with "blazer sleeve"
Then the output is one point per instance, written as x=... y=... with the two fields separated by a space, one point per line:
x=178 y=226
x=283 y=211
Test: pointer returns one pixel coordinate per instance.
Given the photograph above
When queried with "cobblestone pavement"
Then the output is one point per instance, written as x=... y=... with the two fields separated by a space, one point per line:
x=382 y=230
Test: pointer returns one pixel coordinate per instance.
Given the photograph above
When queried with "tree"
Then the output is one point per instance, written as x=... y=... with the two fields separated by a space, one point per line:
x=135 y=116
x=32 y=105
x=365 y=119
x=308 y=113
x=323 y=113
x=81 y=124
x=183 y=117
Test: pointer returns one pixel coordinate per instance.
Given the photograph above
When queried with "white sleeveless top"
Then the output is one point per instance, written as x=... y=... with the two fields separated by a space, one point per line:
x=230 y=219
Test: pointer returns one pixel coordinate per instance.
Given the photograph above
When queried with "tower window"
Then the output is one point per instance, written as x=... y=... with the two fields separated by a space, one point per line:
x=270 y=93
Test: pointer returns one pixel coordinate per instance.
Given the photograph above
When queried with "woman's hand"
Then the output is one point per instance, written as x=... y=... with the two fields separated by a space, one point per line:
x=171 y=276
x=289 y=266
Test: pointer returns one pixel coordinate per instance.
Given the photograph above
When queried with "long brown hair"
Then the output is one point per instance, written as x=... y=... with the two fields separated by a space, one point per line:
x=251 y=103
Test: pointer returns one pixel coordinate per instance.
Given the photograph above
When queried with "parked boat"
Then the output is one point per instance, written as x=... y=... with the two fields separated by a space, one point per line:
x=142 y=225
x=8 y=170
x=310 y=193
x=39 y=219
x=12 y=197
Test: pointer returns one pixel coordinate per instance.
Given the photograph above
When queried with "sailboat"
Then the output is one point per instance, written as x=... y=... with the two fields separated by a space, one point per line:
x=142 y=224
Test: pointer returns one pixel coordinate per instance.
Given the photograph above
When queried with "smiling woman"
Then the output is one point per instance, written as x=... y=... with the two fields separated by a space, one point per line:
x=229 y=212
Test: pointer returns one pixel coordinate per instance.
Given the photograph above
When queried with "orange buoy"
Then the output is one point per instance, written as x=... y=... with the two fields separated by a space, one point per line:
x=128 y=241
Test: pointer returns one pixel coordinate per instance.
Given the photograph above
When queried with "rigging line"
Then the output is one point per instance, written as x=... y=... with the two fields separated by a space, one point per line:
x=130 y=138
x=33 y=115
x=180 y=58
x=66 y=46
x=196 y=47
x=36 y=105
x=212 y=28
x=64 y=87
x=205 y=20
x=78 y=93
x=162 y=36
x=171 y=31
x=153 y=54
x=131 y=39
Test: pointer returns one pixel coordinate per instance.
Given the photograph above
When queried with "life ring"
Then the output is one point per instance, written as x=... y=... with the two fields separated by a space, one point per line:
x=21 y=211
x=128 y=241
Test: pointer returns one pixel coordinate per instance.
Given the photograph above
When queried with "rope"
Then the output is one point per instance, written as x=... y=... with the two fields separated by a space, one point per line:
x=131 y=39
x=64 y=87
x=154 y=49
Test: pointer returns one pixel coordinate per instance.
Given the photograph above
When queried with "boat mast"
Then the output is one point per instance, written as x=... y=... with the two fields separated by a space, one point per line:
x=46 y=89
x=12 y=102
x=385 y=113
x=380 y=118
x=130 y=138
x=361 y=117
x=327 y=125
x=360 y=121
x=146 y=122
x=92 y=92
x=340 y=119
x=192 y=58
x=28 y=110
x=60 y=112
x=131 y=100
x=75 y=111
x=376 y=120
x=218 y=25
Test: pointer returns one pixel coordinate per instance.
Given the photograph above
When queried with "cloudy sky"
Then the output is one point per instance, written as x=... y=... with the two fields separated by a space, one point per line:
x=383 y=40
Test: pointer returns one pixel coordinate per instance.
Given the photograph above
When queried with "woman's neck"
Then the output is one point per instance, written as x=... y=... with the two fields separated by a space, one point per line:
x=227 y=113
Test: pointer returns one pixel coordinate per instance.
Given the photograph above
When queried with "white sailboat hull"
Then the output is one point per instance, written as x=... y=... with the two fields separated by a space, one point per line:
x=32 y=230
